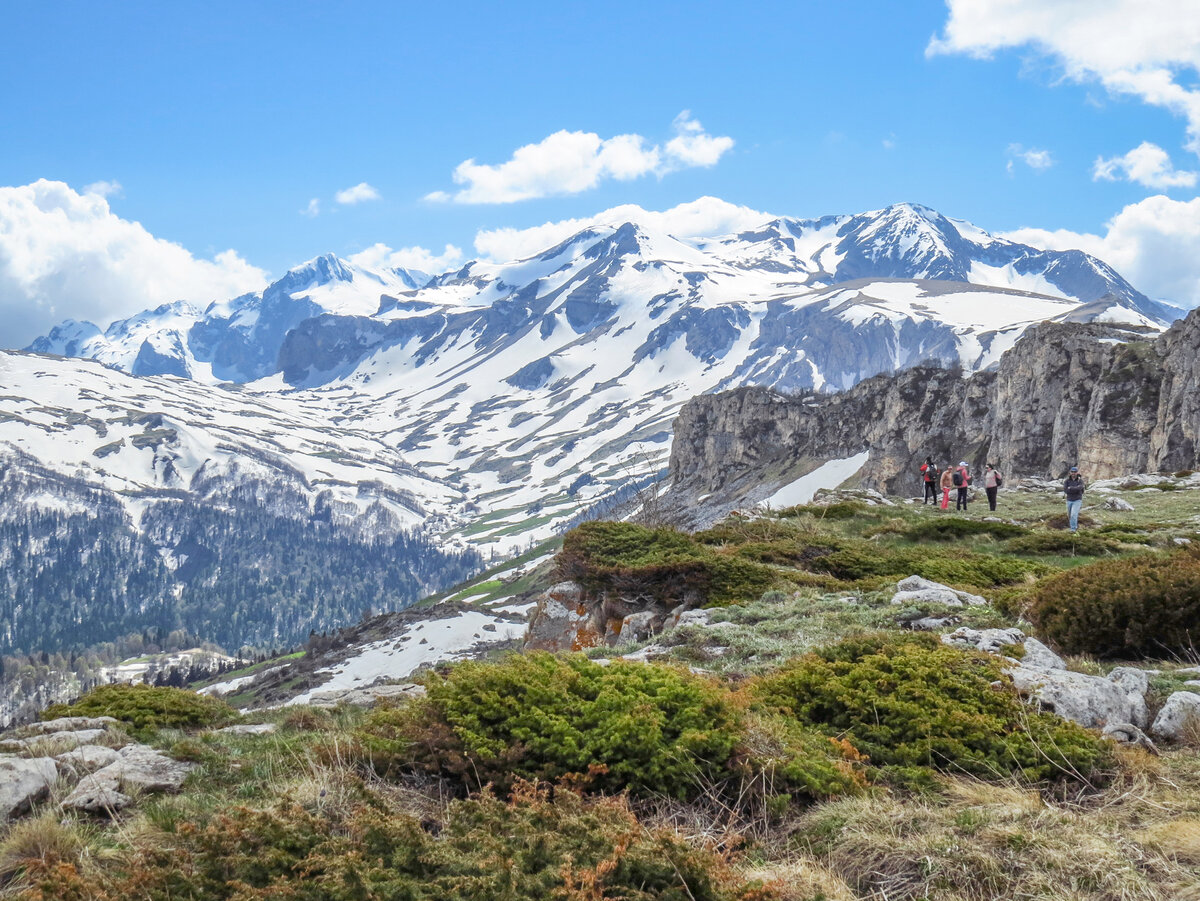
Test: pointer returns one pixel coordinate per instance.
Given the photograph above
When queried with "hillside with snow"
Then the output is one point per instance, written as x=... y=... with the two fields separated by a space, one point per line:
x=490 y=407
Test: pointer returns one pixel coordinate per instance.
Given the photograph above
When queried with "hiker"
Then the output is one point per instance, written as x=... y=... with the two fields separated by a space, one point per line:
x=947 y=482
x=929 y=473
x=1073 y=488
x=992 y=480
x=961 y=480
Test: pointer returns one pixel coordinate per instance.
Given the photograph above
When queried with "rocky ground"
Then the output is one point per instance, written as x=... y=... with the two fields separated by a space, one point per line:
x=851 y=565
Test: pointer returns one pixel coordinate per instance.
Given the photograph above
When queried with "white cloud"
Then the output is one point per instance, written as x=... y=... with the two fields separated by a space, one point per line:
x=380 y=256
x=889 y=143
x=1155 y=243
x=313 y=210
x=569 y=162
x=67 y=255
x=1147 y=164
x=705 y=217
x=1035 y=159
x=104 y=188
x=360 y=193
x=1137 y=48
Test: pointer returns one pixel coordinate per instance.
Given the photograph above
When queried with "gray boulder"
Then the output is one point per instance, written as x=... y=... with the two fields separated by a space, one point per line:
x=85 y=760
x=93 y=795
x=1129 y=734
x=66 y=724
x=915 y=591
x=990 y=641
x=248 y=729
x=561 y=621
x=638 y=626
x=1091 y=701
x=1115 y=503
x=1039 y=656
x=139 y=768
x=23 y=781
x=51 y=743
x=1179 y=716
x=365 y=697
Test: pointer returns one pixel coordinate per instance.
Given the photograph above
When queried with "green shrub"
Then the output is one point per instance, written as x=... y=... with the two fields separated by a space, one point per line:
x=838 y=511
x=1142 y=606
x=665 y=564
x=949 y=528
x=1066 y=544
x=146 y=707
x=861 y=560
x=528 y=849
x=912 y=704
x=536 y=716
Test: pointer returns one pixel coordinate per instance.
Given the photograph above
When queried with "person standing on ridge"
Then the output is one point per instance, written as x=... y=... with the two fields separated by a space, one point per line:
x=929 y=473
x=961 y=480
x=947 y=483
x=1073 y=487
x=992 y=480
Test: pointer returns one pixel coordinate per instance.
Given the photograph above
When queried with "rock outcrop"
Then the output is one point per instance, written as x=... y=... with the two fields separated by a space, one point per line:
x=1111 y=399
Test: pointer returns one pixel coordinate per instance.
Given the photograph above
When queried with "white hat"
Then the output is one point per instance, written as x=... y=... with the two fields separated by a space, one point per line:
x=962 y=463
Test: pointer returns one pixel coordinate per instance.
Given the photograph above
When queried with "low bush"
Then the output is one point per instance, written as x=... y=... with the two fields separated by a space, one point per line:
x=536 y=716
x=836 y=511
x=651 y=730
x=530 y=848
x=1065 y=544
x=912 y=705
x=1062 y=521
x=663 y=563
x=949 y=528
x=1147 y=605
x=854 y=561
x=147 y=707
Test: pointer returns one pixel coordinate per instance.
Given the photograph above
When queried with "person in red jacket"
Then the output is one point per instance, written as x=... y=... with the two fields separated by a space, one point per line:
x=929 y=474
x=947 y=484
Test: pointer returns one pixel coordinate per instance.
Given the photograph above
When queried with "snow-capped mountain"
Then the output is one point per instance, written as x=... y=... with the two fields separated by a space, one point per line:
x=495 y=404
x=235 y=340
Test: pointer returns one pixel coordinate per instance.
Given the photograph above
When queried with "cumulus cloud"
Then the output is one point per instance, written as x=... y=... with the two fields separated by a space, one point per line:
x=1155 y=243
x=360 y=193
x=380 y=256
x=1135 y=48
x=104 y=188
x=67 y=255
x=569 y=162
x=1148 y=165
x=1035 y=159
x=705 y=217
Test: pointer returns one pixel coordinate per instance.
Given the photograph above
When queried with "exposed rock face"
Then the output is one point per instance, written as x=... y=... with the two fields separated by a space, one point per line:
x=1105 y=397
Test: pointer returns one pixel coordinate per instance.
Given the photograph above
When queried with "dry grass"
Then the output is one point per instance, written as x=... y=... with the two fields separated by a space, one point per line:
x=39 y=843
x=978 y=841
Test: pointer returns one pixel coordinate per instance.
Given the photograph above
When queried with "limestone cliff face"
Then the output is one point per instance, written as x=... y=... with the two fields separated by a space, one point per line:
x=1110 y=399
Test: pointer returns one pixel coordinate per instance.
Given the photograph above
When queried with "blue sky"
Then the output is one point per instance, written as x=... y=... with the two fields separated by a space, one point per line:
x=233 y=126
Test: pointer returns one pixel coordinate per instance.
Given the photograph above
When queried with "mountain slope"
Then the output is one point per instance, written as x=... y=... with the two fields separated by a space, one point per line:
x=493 y=406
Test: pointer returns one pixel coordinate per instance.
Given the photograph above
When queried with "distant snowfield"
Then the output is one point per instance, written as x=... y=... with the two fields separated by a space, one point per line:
x=826 y=476
x=425 y=643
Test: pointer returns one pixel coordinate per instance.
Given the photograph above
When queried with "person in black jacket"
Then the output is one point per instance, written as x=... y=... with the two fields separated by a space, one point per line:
x=929 y=472
x=1073 y=487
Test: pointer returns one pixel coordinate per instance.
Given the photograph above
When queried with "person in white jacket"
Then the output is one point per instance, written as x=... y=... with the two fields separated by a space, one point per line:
x=992 y=480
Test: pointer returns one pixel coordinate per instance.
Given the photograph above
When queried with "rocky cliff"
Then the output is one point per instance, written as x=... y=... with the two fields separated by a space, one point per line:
x=1112 y=399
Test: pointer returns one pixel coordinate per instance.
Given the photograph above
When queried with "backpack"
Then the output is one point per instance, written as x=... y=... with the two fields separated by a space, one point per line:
x=999 y=480
x=957 y=478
